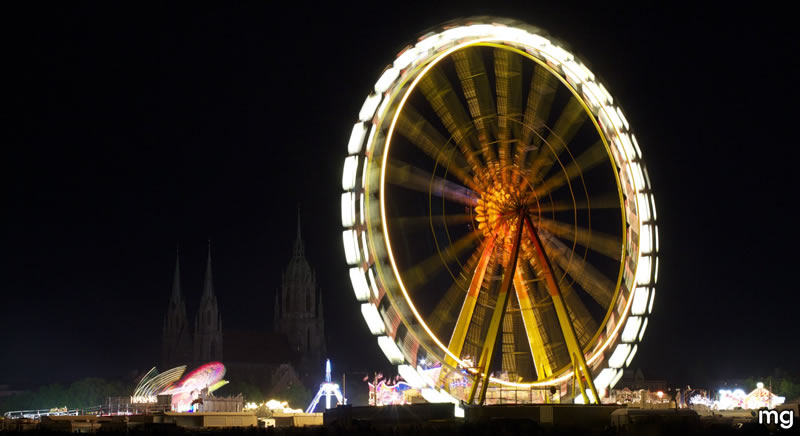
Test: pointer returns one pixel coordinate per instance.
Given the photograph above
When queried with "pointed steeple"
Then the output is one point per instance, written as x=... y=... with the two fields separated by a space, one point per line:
x=208 y=284
x=298 y=224
x=208 y=322
x=176 y=280
x=299 y=249
x=176 y=340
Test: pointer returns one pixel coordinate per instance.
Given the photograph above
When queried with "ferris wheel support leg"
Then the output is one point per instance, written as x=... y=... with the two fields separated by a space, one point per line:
x=487 y=353
x=535 y=341
x=578 y=359
x=467 y=309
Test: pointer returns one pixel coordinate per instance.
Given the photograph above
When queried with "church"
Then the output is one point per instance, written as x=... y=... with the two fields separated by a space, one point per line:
x=295 y=349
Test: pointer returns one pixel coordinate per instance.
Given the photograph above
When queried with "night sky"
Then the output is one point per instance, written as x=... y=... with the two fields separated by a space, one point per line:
x=127 y=131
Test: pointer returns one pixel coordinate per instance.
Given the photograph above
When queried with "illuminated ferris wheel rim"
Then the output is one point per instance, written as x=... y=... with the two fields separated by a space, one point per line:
x=427 y=66
x=621 y=147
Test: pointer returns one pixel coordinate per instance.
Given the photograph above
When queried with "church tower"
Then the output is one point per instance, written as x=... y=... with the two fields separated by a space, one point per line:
x=298 y=310
x=176 y=347
x=208 y=322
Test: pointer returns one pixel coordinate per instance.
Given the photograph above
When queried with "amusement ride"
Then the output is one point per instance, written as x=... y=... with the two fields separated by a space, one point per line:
x=499 y=224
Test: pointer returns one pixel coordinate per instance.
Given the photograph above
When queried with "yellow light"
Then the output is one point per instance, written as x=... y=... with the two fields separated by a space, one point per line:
x=641 y=332
x=368 y=109
x=604 y=94
x=645 y=239
x=631 y=154
x=411 y=376
x=652 y=297
x=373 y=318
x=406 y=58
x=631 y=330
x=653 y=205
x=590 y=93
x=625 y=123
x=613 y=116
x=349 y=173
x=359 y=284
x=361 y=203
x=616 y=378
x=604 y=378
x=617 y=358
x=640 y=298
x=643 y=271
x=556 y=55
x=357 y=138
x=390 y=349
x=630 y=357
x=351 y=252
x=643 y=207
x=655 y=273
x=386 y=79
x=348 y=209
x=372 y=284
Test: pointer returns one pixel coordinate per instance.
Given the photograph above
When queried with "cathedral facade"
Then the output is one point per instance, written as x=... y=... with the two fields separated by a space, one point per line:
x=180 y=346
x=298 y=312
x=297 y=338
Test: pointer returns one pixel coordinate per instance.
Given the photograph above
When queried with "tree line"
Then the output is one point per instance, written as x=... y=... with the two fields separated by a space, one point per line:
x=81 y=394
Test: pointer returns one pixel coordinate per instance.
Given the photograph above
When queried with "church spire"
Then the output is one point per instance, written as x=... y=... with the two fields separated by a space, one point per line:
x=208 y=284
x=176 y=280
x=298 y=224
x=299 y=249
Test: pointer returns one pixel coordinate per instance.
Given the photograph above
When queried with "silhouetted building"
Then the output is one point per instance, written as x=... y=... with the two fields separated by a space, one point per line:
x=635 y=380
x=255 y=357
x=208 y=322
x=299 y=312
x=182 y=346
x=176 y=344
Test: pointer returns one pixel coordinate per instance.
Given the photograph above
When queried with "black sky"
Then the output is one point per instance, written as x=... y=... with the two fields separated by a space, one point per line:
x=128 y=130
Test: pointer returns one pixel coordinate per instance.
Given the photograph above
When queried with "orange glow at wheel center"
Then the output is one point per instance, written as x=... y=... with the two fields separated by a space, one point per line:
x=497 y=212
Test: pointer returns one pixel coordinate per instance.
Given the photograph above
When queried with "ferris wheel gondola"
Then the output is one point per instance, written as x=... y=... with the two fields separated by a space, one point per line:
x=499 y=221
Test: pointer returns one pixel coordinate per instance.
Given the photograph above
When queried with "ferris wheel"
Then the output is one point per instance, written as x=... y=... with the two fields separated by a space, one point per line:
x=498 y=219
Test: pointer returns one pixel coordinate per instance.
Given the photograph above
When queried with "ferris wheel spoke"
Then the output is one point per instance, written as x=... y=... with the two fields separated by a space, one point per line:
x=424 y=223
x=531 y=324
x=584 y=323
x=537 y=111
x=421 y=272
x=444 y=314
x=461 y=328
x=590 y=279
x=428 y=139
x=445 y=103
x=602 y=243
x=589 y=159
x=478 y=93
x=606 y=201
x=567 y=125
x=508 y=71
x=407 y=176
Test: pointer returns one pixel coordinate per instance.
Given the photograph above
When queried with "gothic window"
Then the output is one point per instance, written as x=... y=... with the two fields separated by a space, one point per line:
x=308 y=301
